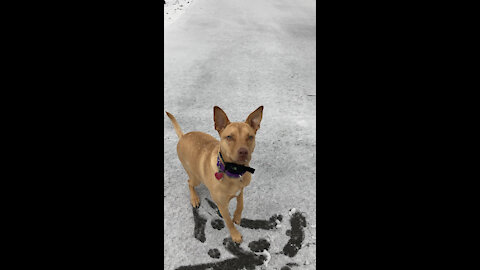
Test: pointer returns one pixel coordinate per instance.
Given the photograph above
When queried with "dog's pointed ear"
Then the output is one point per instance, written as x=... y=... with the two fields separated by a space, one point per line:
x=255 y=118
x=220 y=118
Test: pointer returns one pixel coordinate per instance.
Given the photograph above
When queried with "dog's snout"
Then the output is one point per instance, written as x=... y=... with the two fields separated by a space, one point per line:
x=242 y=152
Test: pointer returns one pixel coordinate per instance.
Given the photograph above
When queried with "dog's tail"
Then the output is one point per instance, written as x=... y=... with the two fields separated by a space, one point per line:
x=175 y=125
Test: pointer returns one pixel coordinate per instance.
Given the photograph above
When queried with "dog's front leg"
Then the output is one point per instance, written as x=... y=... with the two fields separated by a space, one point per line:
x=223 y=207
x=237 y=216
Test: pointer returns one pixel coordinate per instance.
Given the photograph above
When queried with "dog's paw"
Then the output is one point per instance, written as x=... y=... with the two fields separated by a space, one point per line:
x=236 y=236
x=195 y=201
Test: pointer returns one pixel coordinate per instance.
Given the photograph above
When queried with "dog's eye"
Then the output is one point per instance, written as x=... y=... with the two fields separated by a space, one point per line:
x=229 y=138
x=250 y=137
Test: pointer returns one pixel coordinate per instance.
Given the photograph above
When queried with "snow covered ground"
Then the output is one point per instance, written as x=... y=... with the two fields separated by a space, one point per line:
x=173 y=9
x=240 y=54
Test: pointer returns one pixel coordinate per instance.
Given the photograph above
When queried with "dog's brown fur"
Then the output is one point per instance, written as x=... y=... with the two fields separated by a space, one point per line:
x=198 y=154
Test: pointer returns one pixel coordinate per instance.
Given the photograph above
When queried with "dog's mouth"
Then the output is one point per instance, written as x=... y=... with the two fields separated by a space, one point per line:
x=239 y=159
x=242 y=160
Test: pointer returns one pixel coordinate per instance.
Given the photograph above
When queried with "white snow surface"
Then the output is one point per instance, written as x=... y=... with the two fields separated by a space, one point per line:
x=173 y=9
x=238 y=55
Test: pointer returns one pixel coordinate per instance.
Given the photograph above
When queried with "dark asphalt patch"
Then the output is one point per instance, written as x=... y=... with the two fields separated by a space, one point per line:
x=261 y=224
x=244 y=259
x=213 y=205
x=296 y=234
x=218 y=224
x=199 y=230
x=214 y=253
x=260 y=245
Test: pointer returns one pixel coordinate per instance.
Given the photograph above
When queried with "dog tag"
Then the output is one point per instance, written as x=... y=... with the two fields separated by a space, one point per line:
x=218 y=175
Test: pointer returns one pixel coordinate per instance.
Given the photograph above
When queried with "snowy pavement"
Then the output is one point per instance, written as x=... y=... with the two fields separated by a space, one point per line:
x=238 y=55
x=173 y=9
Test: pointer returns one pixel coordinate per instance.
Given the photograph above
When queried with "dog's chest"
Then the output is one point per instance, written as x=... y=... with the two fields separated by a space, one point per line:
x=235 y=187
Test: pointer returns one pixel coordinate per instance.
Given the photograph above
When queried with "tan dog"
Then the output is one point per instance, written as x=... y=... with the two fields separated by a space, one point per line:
x=199 y=154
